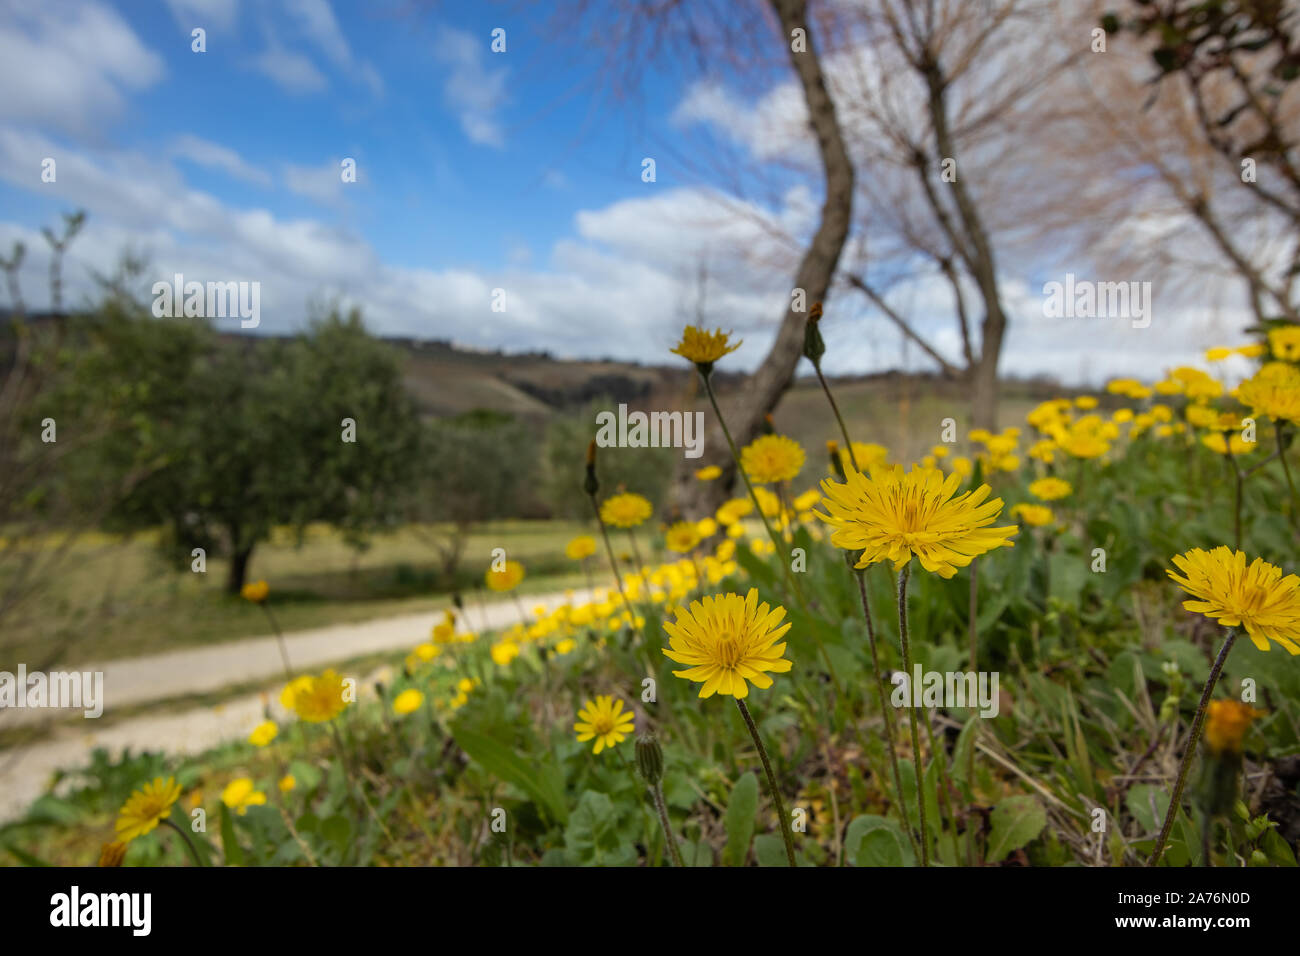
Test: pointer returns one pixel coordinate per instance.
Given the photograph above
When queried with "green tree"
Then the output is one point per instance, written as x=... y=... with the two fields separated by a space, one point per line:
x=227 y=438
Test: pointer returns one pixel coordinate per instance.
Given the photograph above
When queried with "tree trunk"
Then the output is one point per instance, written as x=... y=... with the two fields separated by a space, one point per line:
x=746 y=408
x=239 y=559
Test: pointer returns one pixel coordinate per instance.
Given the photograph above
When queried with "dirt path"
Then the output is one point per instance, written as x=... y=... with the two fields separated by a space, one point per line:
x=25 y=771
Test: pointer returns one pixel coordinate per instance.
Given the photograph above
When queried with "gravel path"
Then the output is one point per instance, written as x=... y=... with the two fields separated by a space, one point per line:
x=25 y=771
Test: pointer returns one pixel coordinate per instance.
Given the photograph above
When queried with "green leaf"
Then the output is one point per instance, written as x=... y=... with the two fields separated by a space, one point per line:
x=877 y=841
x=741 y=811
x=592 y=838
x=1015 y=822
x=529 y=776
x=27 y=859
x=230 y=848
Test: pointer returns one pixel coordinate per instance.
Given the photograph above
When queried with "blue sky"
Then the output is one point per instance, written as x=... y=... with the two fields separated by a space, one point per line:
x=477 y=171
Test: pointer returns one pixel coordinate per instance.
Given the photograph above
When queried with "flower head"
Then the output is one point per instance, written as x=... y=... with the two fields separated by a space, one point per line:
x=605 y=720
x=240 y=794
x=709 y=473
x=255 y=591
x=1255 y=597
x=506 y=579
x=772 y=458
x=1285 y=342
x=1033 y=515
x=263 y=733
x=626 y=510
x=407 y=702
x=896 y=515
x=1050 y=489
x=1226 y=723
x=726 y=640
x=682 y=537
x=1273 y=391
x=704 y=348
x=146 y=808
x=583 y=546
x=316 y=699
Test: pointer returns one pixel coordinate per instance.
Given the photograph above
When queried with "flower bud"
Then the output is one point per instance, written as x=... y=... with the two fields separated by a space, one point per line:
x=813 y=345
x=649 y=758
x=112 y=854
x=590 y=485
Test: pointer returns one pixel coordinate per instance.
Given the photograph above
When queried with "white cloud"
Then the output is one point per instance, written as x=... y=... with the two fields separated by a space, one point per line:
x=292 y=72
x=215 y=156
x=68 y=66
x=472 y=90
x=316 y=19
x=321 y=184
x=209 y=14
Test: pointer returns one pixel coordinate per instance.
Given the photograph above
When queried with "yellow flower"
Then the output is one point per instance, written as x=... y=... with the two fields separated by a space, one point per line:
x=1255 y=596
x=1235 y=444
x=726 y=640
x=706 y=528
x=1086 y=402
x=583 y=546
x=729 y=512
x=1273 y=391
x=1050 y=489
x=112 y=854
x=867 y=454
x=709 y=473
x=407 y=702
x=1253 y=350
x=605 y=720
x=1034 y=515
x=893 y=515
x=1226 y=723
x=626 y=510
x=291 y=690
x=565 y=646
x=146 y=808
x=255 y=591
x=318 y=699
x=682 y=537
x=772 y=458
x=240 y=794
x=704 y=348
x=287 y=783
x=507 y=579
x=503 y=652
x=263 y=733
x=1285 y=342
x=1217 y=354
x=961 y=467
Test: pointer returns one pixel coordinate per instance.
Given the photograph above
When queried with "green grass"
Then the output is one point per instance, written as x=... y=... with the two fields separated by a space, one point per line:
x=116 y=598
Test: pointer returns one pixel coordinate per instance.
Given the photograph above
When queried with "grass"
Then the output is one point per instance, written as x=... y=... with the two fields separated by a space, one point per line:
x=116 y=598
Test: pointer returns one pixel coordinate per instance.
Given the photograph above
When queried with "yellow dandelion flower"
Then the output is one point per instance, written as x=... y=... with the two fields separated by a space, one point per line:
x=704 y=348
x=1234 y=445
x=240 y=794
x=1273 y=391
x=146 y=808
x=1255 y=597
x=255 y=591
x=1217 y=354
x=1253 y=350
x=321 y=698
x=709 y=473
x=626 y=510
x=407 y=702
x=506 y=579
x=605 y=720
x=725 y=640
x=263 y=733
x=583 y=546
x=287 y=783
x=895 y=516
x=1226 y=723
x=503 y=652
x=772 y=458
x=1033 y=515
x=1050 y=488
x=682 y=537
x=1285 y=342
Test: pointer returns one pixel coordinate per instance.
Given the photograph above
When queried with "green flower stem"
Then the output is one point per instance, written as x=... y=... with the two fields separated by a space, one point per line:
x=785 y=560
x=657 y=792
x=279 y=637
x=903 y=576
x=771 y=781
x=188 y=843
x=885 y=710
x=848 y=442
x=1195 y=736
x=1286 y=470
